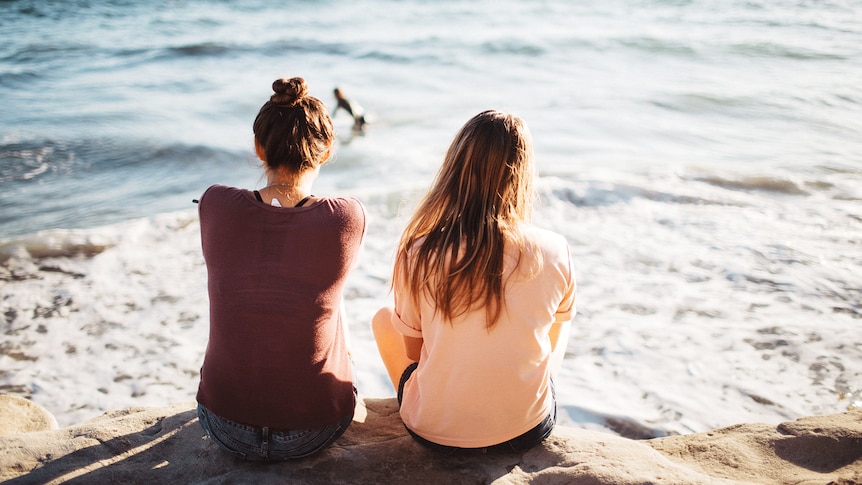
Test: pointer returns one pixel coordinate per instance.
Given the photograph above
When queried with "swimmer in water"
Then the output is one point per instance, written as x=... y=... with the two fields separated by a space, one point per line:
x=352 y=107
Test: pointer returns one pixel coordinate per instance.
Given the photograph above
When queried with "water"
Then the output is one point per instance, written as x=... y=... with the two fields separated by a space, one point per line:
x=703 y=158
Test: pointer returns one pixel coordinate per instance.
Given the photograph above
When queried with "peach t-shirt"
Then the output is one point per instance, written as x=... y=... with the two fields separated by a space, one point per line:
x=475 y=387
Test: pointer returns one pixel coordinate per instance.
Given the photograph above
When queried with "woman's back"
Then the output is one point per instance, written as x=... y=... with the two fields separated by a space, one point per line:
x=477 y=386
x=275 y=282
x=276 y=382
x=481 y=299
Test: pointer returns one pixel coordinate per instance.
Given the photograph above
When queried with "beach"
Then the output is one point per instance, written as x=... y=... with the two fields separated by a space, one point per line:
x=703 y=160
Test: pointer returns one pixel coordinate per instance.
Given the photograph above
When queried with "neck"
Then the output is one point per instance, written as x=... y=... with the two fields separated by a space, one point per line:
x=289 y=188
x=299 y=182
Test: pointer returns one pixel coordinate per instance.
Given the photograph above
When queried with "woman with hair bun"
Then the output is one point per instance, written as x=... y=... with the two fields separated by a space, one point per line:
x=276 y=381
x=483 y=300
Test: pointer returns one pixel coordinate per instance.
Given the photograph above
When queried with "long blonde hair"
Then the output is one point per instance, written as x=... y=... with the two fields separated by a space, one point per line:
x=453 y=247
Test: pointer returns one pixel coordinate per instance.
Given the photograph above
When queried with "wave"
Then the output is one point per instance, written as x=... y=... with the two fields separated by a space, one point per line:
x=685 y=189
x=655 y=45
x=202 y=49
x=599 y=193
x=91 y=241
x=26 y=161
x=56 y=243
x=773 y=50
x=18 y=78
x=279 y=47
x=779 y=185
x=696 y=103
x=39 y=51
x=283 y=46
x=512 y=46
x=85 y=183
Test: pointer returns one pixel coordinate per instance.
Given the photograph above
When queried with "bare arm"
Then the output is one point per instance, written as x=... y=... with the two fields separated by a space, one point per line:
x=554 y=333
x=346 y=327
x=413 y=348
x=559 y=335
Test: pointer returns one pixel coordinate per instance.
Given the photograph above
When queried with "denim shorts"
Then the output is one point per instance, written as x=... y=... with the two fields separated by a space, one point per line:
x=264 y=444
x=515 y=445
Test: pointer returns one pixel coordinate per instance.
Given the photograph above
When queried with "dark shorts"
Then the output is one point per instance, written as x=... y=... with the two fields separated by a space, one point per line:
x=515 y=445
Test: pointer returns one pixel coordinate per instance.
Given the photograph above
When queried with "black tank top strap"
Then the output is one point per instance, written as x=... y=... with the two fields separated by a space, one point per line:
x=303 y=201
x=257 y=196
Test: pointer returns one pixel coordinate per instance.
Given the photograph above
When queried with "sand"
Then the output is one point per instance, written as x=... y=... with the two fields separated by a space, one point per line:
x=167 y=445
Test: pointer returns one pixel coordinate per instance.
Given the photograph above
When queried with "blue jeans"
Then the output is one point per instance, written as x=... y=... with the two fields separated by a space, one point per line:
x=515 y=445
x=264 y=444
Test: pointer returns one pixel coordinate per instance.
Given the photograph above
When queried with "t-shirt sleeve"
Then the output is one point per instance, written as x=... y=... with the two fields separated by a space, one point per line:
x=403 y=327
x=361 y=215
x=567 y=309
x=406 y=317
x=359 y=219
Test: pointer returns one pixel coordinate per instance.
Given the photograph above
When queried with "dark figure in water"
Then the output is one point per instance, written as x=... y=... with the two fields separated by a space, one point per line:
x=352 y=107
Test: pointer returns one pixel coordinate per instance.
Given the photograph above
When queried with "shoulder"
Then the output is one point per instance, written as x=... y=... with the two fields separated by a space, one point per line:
x=349 y=202
x=212 y=190
x=551 y=252
x=348 y=209
x=220 y=207
x=546 y=240
x=551 y=248
x=218 y=197
x=218 y=188
x=221 y=191
x=347 y=205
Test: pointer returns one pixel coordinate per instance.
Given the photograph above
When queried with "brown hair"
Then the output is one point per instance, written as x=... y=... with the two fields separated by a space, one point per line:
x=293 y=128
x=452 y=247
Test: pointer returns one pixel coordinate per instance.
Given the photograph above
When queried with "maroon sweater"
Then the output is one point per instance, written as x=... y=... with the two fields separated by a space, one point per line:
x=277 y=354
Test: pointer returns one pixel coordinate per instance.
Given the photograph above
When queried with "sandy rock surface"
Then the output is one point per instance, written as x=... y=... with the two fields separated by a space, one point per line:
x=19 y=415
x=167 y=445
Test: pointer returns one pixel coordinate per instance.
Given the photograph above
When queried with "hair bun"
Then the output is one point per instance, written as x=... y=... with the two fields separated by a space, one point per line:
x=288 y=92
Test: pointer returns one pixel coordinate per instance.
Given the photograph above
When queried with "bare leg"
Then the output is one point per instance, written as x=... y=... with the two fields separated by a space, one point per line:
x=390 y=344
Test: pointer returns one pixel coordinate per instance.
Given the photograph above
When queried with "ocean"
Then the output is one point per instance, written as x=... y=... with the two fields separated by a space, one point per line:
x=702 y=157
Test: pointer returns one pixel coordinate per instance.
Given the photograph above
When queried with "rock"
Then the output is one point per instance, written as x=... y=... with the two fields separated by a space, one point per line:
x=167 y=445
x=19 y=415
x=817 y=449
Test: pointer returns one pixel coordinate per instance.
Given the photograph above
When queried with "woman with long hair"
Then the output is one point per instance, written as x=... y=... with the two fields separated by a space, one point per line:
x=483 y=300
x=276 y=381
